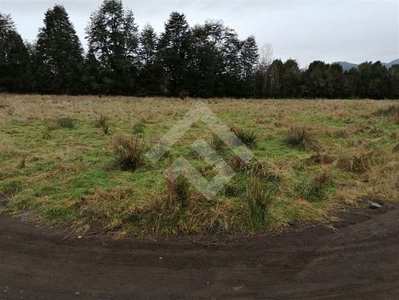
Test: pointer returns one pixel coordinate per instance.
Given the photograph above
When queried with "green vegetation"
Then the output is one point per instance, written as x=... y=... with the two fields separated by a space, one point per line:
x=63 y=171
x=202 y=60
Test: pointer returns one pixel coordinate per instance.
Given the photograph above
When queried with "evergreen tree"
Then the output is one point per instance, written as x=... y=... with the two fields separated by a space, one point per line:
x=150 y=70
x=14 y=58
x=113 y=40
x=291 y=80
x=249 y=58
x=394 y=75
x=58 y=54
x=317 y=83
x=203 y=64
x=173 y=50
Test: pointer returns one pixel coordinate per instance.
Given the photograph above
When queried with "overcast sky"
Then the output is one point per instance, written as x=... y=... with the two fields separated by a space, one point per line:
x=353 y=31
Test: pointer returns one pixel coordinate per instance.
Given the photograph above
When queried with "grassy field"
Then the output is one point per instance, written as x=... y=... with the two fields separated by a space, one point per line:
x=77 y=161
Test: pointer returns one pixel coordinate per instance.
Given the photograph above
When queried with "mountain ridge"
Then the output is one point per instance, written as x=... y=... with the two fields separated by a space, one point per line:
x=346 y=66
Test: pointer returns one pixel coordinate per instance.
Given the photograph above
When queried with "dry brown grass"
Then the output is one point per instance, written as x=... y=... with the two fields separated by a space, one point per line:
x=358 y=148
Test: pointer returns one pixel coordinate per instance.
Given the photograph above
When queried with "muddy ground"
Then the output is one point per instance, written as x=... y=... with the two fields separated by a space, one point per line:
x=358 y=259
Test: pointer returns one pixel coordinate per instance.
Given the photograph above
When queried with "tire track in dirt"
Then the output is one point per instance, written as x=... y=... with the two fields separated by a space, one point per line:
x=358 y=261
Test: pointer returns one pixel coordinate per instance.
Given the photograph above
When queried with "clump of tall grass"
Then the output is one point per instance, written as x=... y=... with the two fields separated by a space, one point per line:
x=262 y=172
x=299 y=137
x=217 y=143
x=357 y=163
x=138 y=128
x=258 y=199
x=103 y=123
x=248 y=138
x=129 y=152
x=66 y=123
x=312 y=188
x=237 y=164
x=178 y=190
x=392 y=112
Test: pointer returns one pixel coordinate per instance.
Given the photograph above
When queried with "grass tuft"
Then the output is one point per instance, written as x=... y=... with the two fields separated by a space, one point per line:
x=138 y=128
x=103 y=123
x=248 y=138
x=358 y=163
x=321 y=159
x=236 y=163
x=129 y=152
x=313 y=187
x=178 y=191
x=217 y=143
x=66 y=123
x=391 y=112
x=261 y=171
x=258 y=198
x=299 y=137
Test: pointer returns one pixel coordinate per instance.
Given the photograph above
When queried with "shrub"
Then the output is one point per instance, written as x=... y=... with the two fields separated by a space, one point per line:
x=129 y=152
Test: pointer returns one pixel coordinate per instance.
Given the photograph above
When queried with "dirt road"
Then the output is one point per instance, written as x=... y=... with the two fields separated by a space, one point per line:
x=360 y=260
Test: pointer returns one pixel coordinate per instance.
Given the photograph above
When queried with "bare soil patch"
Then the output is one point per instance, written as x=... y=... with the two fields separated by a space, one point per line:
x=356 y=258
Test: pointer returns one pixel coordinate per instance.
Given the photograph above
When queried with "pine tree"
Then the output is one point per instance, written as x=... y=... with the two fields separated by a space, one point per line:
x=203 y=62
x=58 y=54
x=15 y=73
x=150 y=73
x=249 y=58
x=173 y=50
x=113 y=40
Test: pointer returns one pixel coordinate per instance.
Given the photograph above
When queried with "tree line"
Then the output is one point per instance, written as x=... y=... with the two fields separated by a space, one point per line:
x=207 y=60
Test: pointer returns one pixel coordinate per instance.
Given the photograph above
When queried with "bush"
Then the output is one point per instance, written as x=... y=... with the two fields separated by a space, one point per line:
x=129 y=152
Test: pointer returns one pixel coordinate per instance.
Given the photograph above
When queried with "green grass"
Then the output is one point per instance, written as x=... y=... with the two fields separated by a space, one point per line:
x=67 y=173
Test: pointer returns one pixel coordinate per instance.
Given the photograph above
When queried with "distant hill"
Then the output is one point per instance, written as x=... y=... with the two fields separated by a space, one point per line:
x=347 y=65
x=395 y=62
